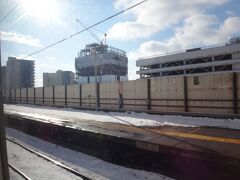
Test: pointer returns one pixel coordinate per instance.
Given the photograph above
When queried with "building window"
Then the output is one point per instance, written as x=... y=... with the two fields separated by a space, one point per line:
x=223 y=57
x=196 y=80
x=155 y=66
x=223 y=68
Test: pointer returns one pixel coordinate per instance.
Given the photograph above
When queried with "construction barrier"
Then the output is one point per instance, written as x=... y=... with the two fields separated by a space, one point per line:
x=209 y=93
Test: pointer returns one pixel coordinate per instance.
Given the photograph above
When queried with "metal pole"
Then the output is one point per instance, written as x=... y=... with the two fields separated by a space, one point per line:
x=4 y=174
x=65 y=95
x=185 y=86
x=235 y=93
x=148 y=94
x=80 y=95
x=96 y=86
x=53 y=92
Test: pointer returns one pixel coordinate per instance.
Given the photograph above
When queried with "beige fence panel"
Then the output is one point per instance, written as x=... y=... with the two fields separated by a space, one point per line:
x=89 y=95
x=31 y=95
x=167 y=94
x=60 y=95
x=39 y=95
x=211 y=93
x=6 y=94
x=48 y=95
x=109 y=96
x=12 y=95
x=18 y=95
x=134 y=94
x=73 y=95
x=23 y=95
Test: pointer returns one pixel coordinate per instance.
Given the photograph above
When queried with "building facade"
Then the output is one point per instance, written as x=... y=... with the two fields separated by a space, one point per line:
x=4 y=79
x=108 y=63
x=19 y=73
x=223 y=58
x=58 y=78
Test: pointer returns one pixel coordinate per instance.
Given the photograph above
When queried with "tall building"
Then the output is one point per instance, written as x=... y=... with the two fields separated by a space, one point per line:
x=4 y=79
x=58 y=78
x=108 y=63
x=19 y=73
x=225 y=58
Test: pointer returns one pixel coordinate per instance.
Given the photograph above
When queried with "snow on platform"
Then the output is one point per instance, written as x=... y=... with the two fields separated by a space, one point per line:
x=74 y=159
x=73 y=116
x=34 y=166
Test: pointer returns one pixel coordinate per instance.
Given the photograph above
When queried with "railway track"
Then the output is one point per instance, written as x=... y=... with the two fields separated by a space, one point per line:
x=83 y=175
x=19 y=172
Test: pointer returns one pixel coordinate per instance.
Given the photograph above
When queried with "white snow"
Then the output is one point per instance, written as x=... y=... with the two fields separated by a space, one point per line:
x=76 y=160
x=14 y=176
x=73 y=116
x=35 y=167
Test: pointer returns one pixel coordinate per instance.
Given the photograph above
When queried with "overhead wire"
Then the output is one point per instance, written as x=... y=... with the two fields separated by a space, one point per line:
x=10 y=12
x=85 y=29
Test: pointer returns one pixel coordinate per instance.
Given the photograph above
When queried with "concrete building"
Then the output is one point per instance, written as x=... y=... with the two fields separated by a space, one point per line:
x=58 y=78
x=225 y=58
x=19 y=73
x=109 y=63
x=4 y=80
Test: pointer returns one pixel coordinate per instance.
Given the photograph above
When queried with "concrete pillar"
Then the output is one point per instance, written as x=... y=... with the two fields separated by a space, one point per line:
x=185 y=94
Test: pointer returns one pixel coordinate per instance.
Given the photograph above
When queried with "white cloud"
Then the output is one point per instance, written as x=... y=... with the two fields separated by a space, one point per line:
x=198 y=30
x=21 y=39
x=130 y=30
x=154 y=16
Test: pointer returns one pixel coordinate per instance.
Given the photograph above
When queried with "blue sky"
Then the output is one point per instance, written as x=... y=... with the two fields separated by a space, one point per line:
x=155 y=27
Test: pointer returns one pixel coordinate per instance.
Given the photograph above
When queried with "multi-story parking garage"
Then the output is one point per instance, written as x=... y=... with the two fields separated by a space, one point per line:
x=193 y=61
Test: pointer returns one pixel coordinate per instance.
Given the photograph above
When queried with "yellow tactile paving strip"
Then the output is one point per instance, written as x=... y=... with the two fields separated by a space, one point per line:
x=190 y=134
x=196 y=136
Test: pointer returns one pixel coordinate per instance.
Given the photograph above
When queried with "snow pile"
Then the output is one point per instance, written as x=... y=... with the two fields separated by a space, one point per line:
x=73 y=116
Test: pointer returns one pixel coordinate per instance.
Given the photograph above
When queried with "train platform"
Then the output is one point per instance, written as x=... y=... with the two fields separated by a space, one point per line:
x=182 y=152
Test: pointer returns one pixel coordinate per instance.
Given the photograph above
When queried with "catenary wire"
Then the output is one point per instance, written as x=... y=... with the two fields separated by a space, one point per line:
x=9 y=12
x=89 y=27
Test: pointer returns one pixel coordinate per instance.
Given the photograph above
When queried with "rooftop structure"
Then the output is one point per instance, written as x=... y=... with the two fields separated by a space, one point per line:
x=192 y=61
x=58 y=78
x=107 y=61
x=19 y=73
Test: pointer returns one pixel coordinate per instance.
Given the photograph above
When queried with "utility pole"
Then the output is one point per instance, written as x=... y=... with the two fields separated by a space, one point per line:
x=4 y=173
